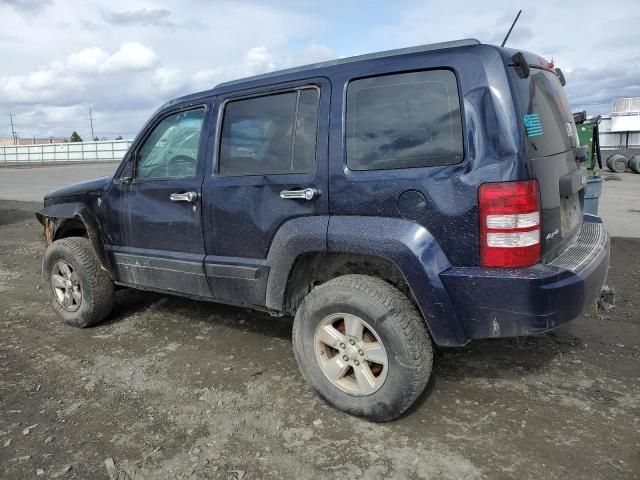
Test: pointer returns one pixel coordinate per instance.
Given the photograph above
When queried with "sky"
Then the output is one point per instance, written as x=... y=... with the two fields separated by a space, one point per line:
x=124 y=58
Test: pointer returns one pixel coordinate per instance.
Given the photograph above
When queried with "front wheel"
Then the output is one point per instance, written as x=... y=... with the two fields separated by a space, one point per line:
x=81 y=291
x=363 y=346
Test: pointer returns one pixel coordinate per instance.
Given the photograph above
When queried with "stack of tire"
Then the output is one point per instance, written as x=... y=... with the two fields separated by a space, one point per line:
x=618 y=163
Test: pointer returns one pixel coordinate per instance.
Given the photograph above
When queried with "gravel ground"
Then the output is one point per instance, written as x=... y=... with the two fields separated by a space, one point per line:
x=173 y=388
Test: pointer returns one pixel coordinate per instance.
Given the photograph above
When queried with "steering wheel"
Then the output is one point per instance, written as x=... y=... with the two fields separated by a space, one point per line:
x=181 y=166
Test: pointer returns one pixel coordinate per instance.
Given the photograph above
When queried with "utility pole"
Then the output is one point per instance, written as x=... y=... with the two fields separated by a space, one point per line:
x=13 y=130
x=91 y=120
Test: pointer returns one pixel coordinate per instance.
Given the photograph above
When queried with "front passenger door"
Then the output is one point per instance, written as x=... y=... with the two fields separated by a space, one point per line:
x=153 y=209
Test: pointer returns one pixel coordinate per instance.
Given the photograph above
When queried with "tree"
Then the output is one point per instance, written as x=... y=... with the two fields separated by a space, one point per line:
x=119 y=137
x=75 y=137
x=96 y=139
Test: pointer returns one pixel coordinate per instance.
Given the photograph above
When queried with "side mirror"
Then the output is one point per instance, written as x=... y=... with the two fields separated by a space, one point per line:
x=126 y=176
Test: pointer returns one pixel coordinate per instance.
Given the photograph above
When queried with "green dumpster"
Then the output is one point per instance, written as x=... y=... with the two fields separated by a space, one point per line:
x=588 y=136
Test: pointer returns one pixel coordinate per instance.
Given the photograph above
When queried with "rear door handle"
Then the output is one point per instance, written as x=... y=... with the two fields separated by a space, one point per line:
x=183 y=197
x=302 y=194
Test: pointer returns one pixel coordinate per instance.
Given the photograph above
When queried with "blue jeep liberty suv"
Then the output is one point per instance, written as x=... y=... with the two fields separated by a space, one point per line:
x=389 y=201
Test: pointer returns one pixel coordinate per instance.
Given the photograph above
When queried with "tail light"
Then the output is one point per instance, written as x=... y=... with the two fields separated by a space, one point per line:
x=509 y=224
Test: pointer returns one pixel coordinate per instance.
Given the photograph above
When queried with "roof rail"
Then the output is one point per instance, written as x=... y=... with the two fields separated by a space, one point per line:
x=368 y=56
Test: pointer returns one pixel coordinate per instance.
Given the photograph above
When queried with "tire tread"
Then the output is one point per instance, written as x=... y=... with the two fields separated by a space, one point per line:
x=410 y=320
x=101 y=286
x=414 y=334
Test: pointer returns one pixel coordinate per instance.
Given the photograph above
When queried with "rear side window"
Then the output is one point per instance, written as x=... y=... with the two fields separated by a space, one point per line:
x=273 y=134
x=406 y=120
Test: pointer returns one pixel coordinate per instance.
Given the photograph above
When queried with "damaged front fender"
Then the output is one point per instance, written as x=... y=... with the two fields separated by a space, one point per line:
x=56 y=218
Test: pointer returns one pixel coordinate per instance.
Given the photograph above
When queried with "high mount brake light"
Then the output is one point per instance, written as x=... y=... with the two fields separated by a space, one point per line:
x=509 y=224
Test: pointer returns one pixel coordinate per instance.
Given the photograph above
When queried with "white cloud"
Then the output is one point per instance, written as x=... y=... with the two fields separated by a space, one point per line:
x=64 y=83
x=127 y=57
x=125 y=81
x=258 y=60
x=206 y=79
x=593 y=43
x=130 y=56
x=47 y=85
x=168 y=80
x=87 y=60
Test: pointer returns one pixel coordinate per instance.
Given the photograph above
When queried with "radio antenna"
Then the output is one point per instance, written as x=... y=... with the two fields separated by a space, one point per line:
x=512 y=25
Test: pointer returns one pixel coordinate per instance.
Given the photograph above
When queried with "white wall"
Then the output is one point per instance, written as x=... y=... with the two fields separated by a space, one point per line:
x=106 y=151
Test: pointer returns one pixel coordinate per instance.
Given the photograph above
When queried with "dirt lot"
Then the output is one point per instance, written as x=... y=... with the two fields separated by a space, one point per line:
x=172 y=388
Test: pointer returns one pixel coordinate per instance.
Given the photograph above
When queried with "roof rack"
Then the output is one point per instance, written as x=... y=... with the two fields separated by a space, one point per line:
x=369 y=56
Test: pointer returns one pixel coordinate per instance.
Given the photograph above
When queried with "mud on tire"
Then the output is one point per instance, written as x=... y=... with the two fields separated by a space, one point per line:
x=395 y=322
x=72 y=260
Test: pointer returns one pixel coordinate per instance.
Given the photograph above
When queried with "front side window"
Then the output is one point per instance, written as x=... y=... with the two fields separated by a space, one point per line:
x=273 y=134
x=405 y=120
x=171 y=150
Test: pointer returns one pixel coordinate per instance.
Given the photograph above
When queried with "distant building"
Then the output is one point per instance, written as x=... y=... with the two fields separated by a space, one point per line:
x=5 y=142
x=620 y=132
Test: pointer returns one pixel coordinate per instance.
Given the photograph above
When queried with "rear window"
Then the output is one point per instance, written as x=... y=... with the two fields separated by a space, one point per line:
x=406 y=120
x=546 y=115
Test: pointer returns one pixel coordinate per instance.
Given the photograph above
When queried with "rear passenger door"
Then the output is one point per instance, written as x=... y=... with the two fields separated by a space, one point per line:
x=270 y=166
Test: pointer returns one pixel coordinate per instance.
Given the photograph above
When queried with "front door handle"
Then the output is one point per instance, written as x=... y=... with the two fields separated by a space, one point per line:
x=184 y=197
x=303 y=194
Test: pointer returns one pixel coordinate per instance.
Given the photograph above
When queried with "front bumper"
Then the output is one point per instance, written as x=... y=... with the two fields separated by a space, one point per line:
x=522 y=301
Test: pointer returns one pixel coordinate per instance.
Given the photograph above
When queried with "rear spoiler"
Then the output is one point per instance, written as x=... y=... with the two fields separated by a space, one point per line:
x=524 y=64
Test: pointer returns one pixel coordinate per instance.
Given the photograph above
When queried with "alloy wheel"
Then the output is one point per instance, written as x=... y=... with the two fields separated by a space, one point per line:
x=350 y=354
x=66 y=286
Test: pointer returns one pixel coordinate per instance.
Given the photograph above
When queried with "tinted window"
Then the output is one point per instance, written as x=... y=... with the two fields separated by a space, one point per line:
x=171 y=150
x=546 y=114
x=404 y=121
x=304 y=150
x=270 y=135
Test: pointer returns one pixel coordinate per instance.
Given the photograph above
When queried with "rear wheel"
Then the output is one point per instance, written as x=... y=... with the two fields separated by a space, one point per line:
x=362 y=345
x=81 y=291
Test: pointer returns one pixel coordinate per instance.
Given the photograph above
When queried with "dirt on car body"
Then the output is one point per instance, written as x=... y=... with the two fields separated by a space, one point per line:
x=174 y=388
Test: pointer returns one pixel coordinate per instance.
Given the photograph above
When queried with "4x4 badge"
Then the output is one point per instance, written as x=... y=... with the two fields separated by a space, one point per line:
x=533 y=125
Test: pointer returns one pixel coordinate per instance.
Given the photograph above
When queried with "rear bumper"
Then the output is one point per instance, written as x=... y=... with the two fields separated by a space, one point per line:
x=513 y=302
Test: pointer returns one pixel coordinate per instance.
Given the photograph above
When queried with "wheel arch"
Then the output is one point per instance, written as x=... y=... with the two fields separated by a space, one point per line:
x=417 y=254
x=311 y=269
x=74 y=220
x=399 y=251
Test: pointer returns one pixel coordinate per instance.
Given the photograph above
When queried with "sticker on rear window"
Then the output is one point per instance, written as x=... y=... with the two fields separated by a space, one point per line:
x=533 y=125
